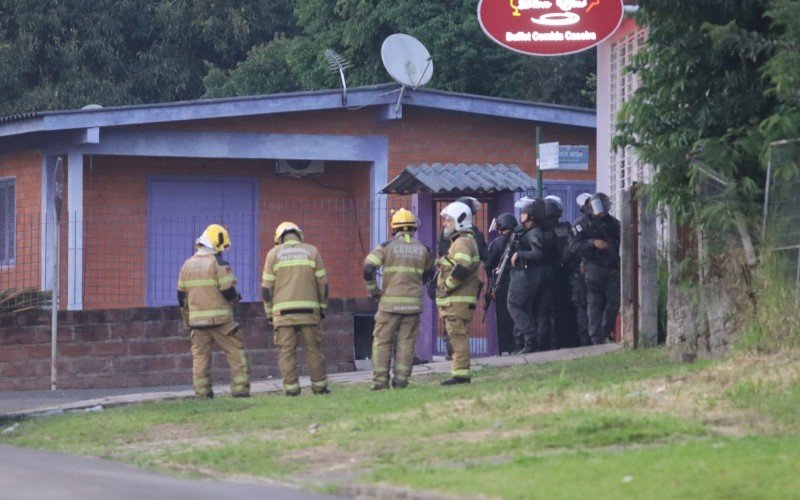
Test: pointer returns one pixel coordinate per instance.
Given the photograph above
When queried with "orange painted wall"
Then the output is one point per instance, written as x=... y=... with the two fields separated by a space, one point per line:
x=333 y=209
x=25 y=168
x=329 y=209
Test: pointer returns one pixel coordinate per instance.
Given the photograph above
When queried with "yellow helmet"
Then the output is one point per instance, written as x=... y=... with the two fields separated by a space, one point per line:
x=403 y=220
x=287 y=227
x=215 y=237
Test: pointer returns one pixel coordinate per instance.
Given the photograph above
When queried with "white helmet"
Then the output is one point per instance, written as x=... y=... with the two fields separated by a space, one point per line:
x=522 y=202
x=582 y=199
x=461 y=214
x=556 y=200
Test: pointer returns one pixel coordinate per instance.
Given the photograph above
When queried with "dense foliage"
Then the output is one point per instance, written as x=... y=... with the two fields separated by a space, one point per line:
x=66 y=54
x=719 y=82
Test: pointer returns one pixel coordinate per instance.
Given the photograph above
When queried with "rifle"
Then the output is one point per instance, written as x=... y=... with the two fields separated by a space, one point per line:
x=511 y=246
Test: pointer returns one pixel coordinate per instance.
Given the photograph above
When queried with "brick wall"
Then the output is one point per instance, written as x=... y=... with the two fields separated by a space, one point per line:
x=146 y=347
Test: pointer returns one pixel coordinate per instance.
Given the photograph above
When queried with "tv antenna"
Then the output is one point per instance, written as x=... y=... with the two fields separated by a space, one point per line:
x=407 y=61
x=337 y=63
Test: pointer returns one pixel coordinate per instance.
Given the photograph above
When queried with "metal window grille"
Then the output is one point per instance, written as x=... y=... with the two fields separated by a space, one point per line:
x=625 y=166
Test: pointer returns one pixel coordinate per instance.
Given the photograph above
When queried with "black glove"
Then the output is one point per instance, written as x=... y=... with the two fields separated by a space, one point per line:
x=321 y=314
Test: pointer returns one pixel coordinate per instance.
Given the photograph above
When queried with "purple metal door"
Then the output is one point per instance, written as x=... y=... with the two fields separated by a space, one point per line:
x=178 y=209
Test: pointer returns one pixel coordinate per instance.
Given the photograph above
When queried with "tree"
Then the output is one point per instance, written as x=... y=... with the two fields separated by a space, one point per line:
x=464 y=59
x=66 y=54
x=718 y=82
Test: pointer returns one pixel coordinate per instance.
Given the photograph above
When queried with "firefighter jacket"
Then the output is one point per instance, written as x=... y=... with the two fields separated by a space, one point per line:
x=206 y=289
x=458 y=286
x=407 y=264
x=294 y=286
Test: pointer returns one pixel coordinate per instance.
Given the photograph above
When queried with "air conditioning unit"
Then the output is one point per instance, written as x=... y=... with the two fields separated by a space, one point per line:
x=299 y=168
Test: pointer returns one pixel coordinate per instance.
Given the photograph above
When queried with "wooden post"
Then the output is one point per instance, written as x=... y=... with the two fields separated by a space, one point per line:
x=629 y=289
x=648 y=274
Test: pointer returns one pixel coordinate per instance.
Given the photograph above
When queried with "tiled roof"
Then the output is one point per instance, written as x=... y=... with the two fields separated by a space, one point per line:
x=460 y=178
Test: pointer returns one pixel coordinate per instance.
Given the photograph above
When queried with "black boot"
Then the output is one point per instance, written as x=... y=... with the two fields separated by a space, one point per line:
x=456 y=380
x=529 y=347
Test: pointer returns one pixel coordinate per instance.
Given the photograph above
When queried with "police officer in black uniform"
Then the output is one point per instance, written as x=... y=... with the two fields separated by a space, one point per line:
x=574 y=264
x=598 y=245
x=505 y=224
x=562 y=326
x=527 y=277
x=443 y=246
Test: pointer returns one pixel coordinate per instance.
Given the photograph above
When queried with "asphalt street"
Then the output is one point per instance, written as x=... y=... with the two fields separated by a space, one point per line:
x=44 y=475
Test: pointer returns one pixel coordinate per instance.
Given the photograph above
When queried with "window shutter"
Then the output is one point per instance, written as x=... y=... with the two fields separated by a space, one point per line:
x=7 y=229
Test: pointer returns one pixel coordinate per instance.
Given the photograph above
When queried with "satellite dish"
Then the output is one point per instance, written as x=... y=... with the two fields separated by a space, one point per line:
x=407 y=60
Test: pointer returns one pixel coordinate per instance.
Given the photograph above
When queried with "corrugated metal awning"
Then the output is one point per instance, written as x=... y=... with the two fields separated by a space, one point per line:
x=460 y=178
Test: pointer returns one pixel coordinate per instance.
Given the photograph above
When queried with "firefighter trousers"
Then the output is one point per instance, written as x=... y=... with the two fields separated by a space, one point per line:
x=310 y=337
x=203 y=345
x=391 y=329
x=458 y=331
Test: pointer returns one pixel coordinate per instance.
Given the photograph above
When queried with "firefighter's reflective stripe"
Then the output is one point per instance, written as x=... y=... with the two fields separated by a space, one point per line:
x=183 y=284
x=393 y=299
x=295 y=304
x=403 y=269
x=294 y=262
x=226 y=280
x=372 y=259
x=466 y=258
x=456 y=299
x=292 y=387
x=460 y=373
x=210 y=313
x=320 y=273
x=268 y=277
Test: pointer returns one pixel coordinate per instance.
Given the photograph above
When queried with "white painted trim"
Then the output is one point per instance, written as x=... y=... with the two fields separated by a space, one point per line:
x=75 y=238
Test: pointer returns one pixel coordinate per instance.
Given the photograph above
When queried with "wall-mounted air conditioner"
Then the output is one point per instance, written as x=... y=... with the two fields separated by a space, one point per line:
x=299 y=168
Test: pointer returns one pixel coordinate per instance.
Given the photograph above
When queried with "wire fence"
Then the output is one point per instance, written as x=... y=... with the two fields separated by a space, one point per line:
x=112 y=258
x=781 y=225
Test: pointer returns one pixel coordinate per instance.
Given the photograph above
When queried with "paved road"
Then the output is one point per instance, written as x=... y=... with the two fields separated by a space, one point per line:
x=44 y=475
x=12 y=401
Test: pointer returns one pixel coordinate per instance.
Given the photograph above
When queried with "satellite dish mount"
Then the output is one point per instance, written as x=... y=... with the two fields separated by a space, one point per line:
x=407 y=61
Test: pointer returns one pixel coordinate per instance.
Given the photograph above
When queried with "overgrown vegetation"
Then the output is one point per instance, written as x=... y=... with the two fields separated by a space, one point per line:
x=630 y=424
x=65 y=55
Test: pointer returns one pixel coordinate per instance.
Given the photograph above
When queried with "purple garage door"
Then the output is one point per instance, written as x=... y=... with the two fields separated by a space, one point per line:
x=178 y=209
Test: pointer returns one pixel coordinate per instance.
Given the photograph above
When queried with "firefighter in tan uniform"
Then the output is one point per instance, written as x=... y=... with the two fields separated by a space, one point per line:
x=407 y=264
x=206 y=292
x=458 y=286
x=294 y=288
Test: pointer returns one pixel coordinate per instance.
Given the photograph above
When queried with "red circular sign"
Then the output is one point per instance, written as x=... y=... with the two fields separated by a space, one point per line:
x=549 y=27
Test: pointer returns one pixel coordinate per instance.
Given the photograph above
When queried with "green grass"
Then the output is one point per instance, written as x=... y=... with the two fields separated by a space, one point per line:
x=565 y=429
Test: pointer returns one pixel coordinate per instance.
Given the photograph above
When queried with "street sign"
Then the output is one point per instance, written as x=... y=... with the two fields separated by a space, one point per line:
x=548 y=156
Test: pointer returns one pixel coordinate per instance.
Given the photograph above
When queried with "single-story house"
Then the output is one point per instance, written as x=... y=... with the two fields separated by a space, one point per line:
x=133 y=186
